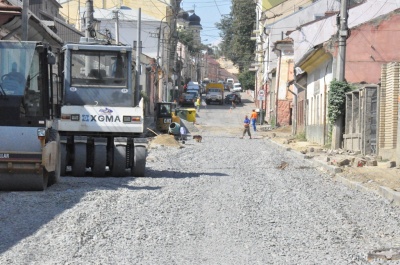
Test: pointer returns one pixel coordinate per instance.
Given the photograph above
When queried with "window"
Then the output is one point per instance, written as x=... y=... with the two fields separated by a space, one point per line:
x=90 y=68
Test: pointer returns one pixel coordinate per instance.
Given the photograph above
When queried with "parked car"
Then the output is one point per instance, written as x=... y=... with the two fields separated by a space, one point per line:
x=193 y=86
x=195 y=92
x=187 y=99
x=228 y=98
x=237 y=87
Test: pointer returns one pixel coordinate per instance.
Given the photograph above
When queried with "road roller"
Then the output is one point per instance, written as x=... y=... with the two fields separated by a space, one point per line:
x=101 y=123
x=29 y=145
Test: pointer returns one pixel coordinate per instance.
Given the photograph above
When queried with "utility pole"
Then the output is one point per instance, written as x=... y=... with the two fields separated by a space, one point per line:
x=343 y=33
x=89 y=17
x=88 y=24
x=179 y=69
x=116 y=12
x=340 y=70
x=25 y=7
x=138 y=52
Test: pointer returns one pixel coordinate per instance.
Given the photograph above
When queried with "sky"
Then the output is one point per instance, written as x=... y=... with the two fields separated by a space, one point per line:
x=210 y=12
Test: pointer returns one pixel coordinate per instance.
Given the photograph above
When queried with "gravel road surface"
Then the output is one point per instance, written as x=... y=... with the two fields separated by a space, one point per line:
x=225 y=200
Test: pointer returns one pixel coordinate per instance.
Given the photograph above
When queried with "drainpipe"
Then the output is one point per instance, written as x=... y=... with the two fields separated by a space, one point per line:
x=294 y=126
x=325 y=105
x=277 y=86
x=325 y=113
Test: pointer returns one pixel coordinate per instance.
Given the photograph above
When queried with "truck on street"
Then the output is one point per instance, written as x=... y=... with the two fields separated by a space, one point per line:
x=215 y=93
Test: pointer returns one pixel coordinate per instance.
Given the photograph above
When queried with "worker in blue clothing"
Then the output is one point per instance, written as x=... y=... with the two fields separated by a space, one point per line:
x=246 y=124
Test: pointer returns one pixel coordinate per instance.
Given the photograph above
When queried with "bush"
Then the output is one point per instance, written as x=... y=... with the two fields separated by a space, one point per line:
x=337 y=99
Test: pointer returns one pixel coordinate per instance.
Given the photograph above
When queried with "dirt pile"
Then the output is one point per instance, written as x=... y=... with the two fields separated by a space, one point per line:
x=165 y=140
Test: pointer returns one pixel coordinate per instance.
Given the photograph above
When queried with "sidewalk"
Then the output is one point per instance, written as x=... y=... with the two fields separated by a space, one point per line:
x=363 y=173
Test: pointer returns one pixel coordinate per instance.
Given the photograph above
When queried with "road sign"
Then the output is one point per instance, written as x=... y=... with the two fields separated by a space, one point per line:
x=261 y=94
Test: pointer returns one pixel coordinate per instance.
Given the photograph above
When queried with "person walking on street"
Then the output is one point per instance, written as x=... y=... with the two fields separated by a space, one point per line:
x=233 y=101
x=246 y=124
x=253 y=119
x=198 y=102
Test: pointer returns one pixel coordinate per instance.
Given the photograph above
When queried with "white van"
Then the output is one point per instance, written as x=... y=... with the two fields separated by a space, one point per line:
x=237 y=87
x=229 y=82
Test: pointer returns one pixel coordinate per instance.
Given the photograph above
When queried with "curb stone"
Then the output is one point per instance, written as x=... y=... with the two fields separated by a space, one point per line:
x=391 y=195
x=353 y=184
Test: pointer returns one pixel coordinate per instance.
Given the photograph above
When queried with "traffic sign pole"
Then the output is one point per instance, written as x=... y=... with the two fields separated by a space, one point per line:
x=261 y=98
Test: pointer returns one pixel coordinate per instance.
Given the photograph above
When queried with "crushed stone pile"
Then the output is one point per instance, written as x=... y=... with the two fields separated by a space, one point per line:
x=165 y=140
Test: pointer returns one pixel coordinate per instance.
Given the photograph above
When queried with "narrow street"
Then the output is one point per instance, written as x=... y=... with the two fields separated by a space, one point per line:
x=223 y=200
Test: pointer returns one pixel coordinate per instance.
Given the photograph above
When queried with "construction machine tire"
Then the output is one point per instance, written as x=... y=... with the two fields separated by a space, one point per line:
x=119 y=161
x=99 y=161
x=139 y=165
x=79 y=164
x=24 y=182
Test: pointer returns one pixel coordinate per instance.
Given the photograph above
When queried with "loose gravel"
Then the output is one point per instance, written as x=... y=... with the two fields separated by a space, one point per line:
x=222 y=201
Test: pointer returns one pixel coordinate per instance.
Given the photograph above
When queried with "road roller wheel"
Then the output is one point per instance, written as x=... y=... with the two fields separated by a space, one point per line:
x=139 y=165
x=79 y=163
x=119 y=162
x=54 y=177
x=99 y=161
x=24 y=182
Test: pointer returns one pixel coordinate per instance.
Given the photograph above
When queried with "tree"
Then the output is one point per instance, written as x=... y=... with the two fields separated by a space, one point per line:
x=186 y=38
x=226 y=33
x=236 y=31
x=247 y=79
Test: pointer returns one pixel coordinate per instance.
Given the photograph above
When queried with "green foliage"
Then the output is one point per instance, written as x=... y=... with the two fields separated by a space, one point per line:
x=247 y=80
x=186 y=38
x=236 y=29
x=301 y=137
x=337 y=99
x=226 y=32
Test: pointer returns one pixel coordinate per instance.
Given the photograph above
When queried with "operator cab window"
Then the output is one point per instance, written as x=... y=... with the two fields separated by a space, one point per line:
x=20 y=81
x=98 y=68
